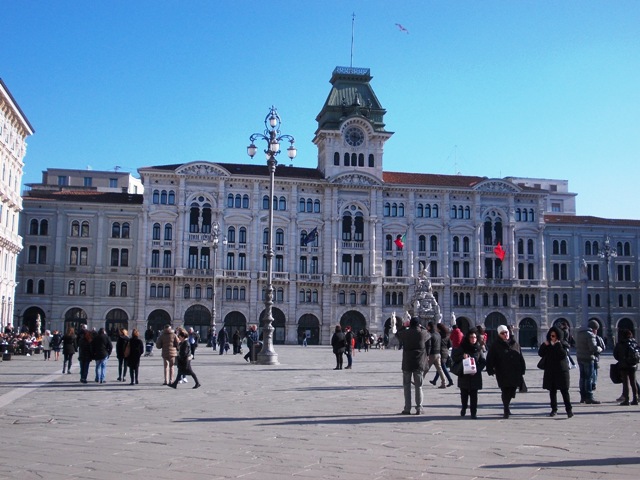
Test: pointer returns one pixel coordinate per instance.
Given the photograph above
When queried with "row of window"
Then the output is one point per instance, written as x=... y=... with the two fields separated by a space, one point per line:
x=353 y=160
x=164 y=197
x=559 y=247
x=525 y=215
x=623 y=272
x=41 y=227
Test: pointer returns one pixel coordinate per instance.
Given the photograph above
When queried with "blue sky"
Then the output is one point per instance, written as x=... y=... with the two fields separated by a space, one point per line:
x=491 y=88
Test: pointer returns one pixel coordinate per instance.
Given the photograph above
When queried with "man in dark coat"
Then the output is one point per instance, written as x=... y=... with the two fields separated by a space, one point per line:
x=506 y=362
x=434 y=354
x=101 y=348
x=414 y=356
x=223 y=340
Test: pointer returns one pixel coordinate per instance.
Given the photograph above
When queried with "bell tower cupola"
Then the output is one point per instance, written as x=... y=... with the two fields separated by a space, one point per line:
x=351 y=134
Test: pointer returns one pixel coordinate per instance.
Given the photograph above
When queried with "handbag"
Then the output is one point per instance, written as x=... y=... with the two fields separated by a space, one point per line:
x=456 y=369
x=614 y=373
x=469 y=366
x=542 y=363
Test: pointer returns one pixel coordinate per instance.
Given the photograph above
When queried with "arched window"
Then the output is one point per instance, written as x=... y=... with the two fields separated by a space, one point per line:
x=434 y=211
x=238 y=201
x=372 y=162
x=456 y=244
x=265 y=202
x=123 y=289
x=282 y=204
x=419 y=211
x=125 y=230
x=361 y=160
x=346 y=159
x=187 y=291
x=301 y=205
x=521 y=246
x=587 y=248
x=84 y=229
x=230 y=200
x=309 y=205
x=155 y=232
x=156 y=197
x=75 y=228
x=433 y=244
x=336 y=159
x=172 y=197
x=422 y=244
x=231 y=235
x=316 y=206
x=71 y=288
x=242 y=235
x=112 y=289
x=33 y=227
x=41 y=287
x=163 y=197
x=563 y=247
x=168 y=231
x=427 y=211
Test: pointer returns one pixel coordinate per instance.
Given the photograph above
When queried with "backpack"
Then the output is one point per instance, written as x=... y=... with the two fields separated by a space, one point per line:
x=632 y=356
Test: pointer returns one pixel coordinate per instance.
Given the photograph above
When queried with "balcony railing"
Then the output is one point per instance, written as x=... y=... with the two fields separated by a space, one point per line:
x=161 y=271
x=311 y=277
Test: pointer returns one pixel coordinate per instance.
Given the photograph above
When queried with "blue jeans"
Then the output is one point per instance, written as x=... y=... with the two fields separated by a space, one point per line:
x=349 y=358
x=407 y=377
x=586 y=379
x=101 y=369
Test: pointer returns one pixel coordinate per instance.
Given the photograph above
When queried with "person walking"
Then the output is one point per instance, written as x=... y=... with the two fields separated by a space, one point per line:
x=434 y=355
x=556 y=370
x=84 y=353
x=445 y=345
x=136 y=349
x=350 y=340
x=586 y=350
x=56 y=344
x=414 y=357
x=505 y=361
x=184 y=359
x=69 y=348
x=236 y=340
x=46 y=345
x=469 y=384
x=121 y=345
x=223 y=340
x=168 y=342
x=194 y=340
x=252 y=338
x=339 y=344
x=626 y=352
x=101 y=348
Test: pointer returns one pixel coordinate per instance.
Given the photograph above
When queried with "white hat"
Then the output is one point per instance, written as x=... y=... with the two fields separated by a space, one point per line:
x=502 y=328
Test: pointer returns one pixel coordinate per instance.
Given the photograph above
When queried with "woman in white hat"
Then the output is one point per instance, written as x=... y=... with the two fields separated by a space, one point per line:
x=505 y=360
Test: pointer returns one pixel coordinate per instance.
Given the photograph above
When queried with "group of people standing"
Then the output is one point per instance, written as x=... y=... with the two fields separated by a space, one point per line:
x=504 y=359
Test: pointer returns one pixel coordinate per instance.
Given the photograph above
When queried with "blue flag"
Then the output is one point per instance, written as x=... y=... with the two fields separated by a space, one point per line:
x=310 y=237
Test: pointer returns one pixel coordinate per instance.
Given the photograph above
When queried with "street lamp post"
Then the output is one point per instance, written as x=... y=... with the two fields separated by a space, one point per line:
x=608 y=253
x=215 y=230
x=272 y=136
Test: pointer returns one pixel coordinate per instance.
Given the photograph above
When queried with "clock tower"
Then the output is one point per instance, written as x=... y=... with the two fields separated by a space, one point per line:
x=351 y=134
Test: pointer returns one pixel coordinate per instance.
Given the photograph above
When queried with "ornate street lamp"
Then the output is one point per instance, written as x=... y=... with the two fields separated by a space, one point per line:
x=272 y=136
x=608 y=253
x=215 y=230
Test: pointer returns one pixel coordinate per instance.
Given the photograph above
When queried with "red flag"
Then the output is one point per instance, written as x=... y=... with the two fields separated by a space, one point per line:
x=499 y=251
x=399 y=241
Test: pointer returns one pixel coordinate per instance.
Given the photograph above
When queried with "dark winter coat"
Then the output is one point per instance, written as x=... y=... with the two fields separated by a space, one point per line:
x=556 y=367
x=620 y=353
x=101 y=346
x=414 y=352
x=84 y=348
x=136 y=349
x=445 y=345
x=184 y=354
x=121 y=344
x=435 y=343
x=505 y=361
x=69 y=345
x=338 y=342
x=469 y=382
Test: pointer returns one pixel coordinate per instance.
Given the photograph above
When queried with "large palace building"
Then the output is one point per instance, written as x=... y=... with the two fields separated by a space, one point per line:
x=14 y=130
x=101 y=249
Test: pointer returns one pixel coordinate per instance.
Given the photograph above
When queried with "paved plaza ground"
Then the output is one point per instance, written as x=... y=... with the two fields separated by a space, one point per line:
x=298 y=419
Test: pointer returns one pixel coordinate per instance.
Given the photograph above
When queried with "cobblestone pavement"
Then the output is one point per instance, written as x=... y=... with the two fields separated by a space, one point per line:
x=298 y=419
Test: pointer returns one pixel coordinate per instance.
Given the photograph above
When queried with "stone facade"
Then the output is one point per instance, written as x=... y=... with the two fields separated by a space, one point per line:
x=14 y=130
x=377 y=230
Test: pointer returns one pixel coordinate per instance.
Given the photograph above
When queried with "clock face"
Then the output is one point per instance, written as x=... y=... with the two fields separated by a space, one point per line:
x=354 y=136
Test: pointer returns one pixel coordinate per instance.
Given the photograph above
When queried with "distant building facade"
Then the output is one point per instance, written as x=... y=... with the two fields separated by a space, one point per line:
x=498 y=250
x=14 y=130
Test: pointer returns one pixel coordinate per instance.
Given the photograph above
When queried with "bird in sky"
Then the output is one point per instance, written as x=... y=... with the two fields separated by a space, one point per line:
x=401 y=28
